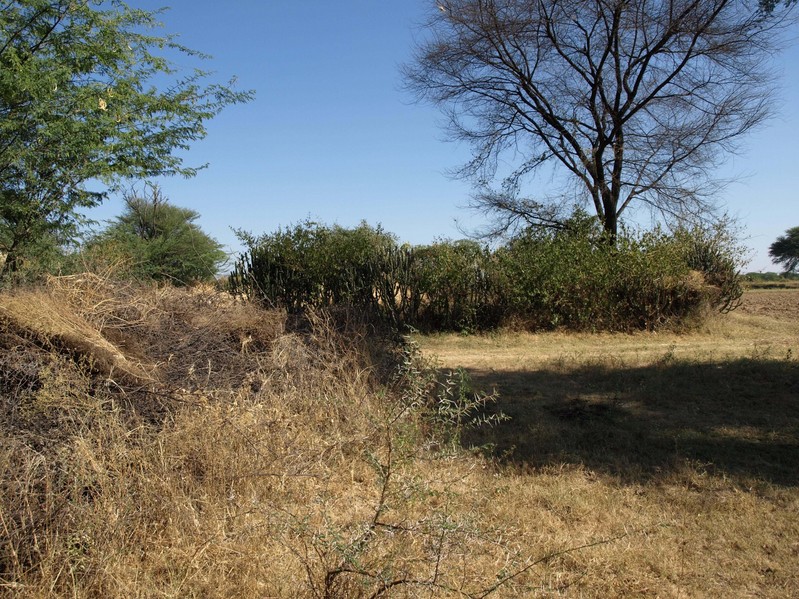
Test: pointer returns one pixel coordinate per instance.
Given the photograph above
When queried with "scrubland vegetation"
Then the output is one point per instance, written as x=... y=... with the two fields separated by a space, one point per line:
x=327 y=423
x=164 y=442
x=574 y=277
x=174 y=442
x=615 y=428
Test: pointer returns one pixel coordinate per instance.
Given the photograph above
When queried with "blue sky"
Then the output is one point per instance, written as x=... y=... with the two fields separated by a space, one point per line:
x=332 y=136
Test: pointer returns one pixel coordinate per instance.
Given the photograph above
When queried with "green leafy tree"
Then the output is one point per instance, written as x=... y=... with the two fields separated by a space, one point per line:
x=154 y=239
x=785 y=250
x=88 y=95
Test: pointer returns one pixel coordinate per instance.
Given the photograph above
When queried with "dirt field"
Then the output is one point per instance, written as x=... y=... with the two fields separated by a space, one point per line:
x=782 y=304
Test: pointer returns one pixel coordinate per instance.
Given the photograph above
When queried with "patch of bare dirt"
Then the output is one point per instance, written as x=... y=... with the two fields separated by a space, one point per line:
x=782 y=304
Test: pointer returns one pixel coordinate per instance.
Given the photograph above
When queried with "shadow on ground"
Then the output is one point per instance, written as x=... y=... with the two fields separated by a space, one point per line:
x=738 y=419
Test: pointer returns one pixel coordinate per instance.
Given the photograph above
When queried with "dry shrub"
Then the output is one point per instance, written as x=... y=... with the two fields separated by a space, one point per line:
x=193 y=336
x=49 y=323
x=281 y=464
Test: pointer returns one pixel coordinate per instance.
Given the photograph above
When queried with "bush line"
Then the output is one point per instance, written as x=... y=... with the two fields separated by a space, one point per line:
x=574 y=278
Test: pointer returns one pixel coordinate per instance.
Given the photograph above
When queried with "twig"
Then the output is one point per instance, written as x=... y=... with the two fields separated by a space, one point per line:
x=553 y=555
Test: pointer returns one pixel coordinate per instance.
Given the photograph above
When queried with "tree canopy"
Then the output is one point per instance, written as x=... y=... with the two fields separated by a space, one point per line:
x=785 y=250
x=89 y=95
x=154 y=239
x=634 y=101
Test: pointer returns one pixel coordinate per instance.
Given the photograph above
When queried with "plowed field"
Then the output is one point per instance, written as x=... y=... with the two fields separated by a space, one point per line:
x=782 y=304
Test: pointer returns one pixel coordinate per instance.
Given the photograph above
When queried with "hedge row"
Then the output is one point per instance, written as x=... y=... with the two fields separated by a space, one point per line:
x=573 y=277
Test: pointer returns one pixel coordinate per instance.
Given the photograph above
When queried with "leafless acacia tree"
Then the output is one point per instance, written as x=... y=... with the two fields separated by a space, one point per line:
x=638 y=100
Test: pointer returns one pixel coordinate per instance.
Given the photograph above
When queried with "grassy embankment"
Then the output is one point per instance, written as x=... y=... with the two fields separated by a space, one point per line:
x=161 y=443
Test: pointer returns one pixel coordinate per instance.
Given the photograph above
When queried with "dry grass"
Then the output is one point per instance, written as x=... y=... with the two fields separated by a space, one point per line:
x=38 y=315
x=693 y=439
x=255 y=461
x=265 y=458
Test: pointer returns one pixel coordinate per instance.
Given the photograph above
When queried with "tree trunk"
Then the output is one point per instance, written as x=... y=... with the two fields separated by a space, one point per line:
x=610 y=218
x=10 y=265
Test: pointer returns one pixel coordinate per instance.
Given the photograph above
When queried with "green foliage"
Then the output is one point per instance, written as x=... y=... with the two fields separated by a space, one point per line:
x=446 y=285
x=448 y=404
x=785 y=250
x=311 y=265
x=714 y=252
x=87 y=94
x=576 y=277
x=45 y=254
x=154 y=239
x=459 y=287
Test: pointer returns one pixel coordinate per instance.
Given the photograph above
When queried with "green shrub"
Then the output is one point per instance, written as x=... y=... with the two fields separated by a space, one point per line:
x=444 y=286
x=578 y=279
x=311 y=265
x=714 y=252
x=155 y=240
x=459 y=288
x=574 y=277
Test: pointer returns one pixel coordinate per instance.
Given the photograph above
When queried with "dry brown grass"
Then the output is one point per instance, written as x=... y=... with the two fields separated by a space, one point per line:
x=691 y=440
x=766 y=323
x=48 y=323
x=254 y=462
x=265 y=458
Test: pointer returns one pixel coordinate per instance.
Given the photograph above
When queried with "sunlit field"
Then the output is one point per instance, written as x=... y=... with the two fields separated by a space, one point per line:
x=160 y=442
x=574 y=400
x=681 y=451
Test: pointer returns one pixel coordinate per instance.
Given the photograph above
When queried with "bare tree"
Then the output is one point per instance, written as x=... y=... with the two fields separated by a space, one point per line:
x=637 y=101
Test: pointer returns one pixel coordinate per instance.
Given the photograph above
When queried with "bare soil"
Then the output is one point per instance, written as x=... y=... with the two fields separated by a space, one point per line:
x=782 y=304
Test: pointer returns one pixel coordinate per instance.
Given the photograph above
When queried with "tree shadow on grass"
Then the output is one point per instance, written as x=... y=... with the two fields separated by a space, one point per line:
x=739 y=419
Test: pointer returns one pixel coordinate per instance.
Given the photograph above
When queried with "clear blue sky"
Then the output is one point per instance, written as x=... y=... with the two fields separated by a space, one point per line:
x=332 y=136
